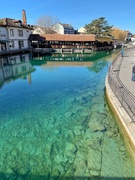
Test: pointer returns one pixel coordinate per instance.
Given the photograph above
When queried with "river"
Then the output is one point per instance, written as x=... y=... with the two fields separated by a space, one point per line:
x=55 y=122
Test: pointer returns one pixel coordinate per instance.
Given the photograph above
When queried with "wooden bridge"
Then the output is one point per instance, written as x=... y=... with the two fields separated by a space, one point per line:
x=72 y=42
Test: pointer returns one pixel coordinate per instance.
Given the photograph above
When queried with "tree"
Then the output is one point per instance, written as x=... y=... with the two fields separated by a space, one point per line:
x=1 y=22
x=119 y=34
x=47 y=22
x=99 y=27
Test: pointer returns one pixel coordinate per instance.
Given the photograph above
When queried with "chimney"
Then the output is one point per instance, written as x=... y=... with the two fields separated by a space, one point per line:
x=24 y=20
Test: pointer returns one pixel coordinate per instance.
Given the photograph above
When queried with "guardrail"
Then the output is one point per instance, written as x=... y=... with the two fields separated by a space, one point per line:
x=124 y=96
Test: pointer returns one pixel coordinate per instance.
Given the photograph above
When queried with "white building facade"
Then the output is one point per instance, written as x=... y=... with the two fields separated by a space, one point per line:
x=82 y=30
x=38 y=30
x=3 y=38
x=18 y=38
x=14 y=35
x=18 y=35
x=61 y=28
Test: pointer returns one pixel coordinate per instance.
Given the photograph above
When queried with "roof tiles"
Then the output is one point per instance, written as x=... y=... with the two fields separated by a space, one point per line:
x=68 y=37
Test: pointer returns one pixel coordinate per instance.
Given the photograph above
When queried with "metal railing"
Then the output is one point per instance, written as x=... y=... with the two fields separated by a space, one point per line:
x=124 y=96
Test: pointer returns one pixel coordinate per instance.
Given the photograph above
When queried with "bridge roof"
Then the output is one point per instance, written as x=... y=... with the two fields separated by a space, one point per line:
x=104 y=39
x=69 y=37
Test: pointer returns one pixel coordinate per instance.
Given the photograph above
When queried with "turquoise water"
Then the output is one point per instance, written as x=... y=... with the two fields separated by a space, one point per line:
x=55 y=122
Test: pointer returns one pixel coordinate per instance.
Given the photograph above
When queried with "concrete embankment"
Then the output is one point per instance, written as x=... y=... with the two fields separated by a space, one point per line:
x=125 y=122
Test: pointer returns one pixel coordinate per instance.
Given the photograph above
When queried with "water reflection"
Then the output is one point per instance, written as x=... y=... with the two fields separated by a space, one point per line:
x=94 y=62
x=74 y=57
x=22 y=65
x=14 y=67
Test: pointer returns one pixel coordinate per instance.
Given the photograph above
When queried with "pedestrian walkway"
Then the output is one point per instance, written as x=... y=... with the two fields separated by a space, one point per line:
x=125 y=73
x=120 y=81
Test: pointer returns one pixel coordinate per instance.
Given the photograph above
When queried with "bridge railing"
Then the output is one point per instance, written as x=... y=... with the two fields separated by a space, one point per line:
x=126 y=99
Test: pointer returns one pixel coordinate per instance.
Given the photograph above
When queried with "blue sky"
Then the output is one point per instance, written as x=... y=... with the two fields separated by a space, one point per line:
x=78 y=13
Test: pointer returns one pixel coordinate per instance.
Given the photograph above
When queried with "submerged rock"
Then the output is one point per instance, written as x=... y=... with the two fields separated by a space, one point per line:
x=70 y=150
x=94 y=160
x=77 y=129
x=60 y=158
x=80 y=163
x=109 y=133
x=95 y=173
x=70 y=147
x=96 y=126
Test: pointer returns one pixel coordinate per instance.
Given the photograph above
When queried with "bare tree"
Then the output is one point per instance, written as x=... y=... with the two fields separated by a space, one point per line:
x=46 y=22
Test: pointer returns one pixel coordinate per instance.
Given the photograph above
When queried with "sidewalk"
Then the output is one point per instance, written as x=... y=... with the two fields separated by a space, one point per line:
x=122 y=73
x=125 y=73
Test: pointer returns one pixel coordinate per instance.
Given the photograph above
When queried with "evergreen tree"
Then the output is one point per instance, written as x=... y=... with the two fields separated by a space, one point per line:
x=99 y=27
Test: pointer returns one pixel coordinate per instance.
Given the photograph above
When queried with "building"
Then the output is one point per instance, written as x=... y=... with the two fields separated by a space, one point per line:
x=133 y=39
x=82 y=30
x=3 y=37
x=14 y=34
x=61 y=28
x=42 y=30
x=38 y=30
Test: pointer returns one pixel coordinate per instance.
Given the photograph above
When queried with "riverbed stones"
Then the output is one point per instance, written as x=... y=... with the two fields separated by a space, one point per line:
x=70 y=147
x=77 y=130
x=109 y=133
x=94 y=173
x=96 y=126
x=94 y=159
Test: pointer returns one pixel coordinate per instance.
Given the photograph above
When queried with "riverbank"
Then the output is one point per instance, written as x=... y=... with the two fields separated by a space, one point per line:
x=121 y=72
x=17 y=51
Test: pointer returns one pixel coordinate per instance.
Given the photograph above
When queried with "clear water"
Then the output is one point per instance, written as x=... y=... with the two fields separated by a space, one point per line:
x=55 y=122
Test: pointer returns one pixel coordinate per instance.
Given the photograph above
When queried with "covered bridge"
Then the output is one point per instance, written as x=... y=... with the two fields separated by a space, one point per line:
x=75 y=41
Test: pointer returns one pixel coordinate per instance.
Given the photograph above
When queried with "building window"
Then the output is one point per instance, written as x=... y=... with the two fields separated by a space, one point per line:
x=20 y=33
x=22 y=43
x=23 y=68
x=11 y=32
x=22 y=58
x=12 y=44
x=13 y=60
x=16 y=70
x=65 y=32
x=38 y=31
x=27 y=33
